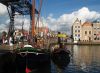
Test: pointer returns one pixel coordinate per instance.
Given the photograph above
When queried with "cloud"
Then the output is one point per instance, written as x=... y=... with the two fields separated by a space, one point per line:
x=3 y=27
x=65 y=21
x=19 y=20
x=3 y=9
x=62 y=23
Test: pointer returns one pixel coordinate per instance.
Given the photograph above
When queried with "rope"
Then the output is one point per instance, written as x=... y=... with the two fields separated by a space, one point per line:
x=39 y=9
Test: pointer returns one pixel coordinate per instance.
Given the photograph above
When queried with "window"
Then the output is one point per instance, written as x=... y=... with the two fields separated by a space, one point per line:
x=94 y=38
x=78 y=26
x=78 y=30
x=85 y=32
x=75 y=26
x=78 y=35
x=75 y=30
x=89 y=32
x=75 y=34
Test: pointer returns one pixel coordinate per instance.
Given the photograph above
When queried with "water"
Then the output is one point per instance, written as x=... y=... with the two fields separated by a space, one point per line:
x=83 y=59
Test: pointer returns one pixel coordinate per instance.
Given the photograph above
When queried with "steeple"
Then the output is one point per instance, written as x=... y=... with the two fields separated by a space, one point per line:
x=77 y=20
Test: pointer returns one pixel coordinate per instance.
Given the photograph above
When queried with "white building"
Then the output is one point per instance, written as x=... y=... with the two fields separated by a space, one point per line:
x=76 y=30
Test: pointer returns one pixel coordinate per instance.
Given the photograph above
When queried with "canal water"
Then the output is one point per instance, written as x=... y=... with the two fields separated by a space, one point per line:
x=83 y=59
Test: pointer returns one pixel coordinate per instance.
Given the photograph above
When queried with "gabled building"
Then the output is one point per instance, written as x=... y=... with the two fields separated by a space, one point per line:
x=76 y=30
x=86 y=32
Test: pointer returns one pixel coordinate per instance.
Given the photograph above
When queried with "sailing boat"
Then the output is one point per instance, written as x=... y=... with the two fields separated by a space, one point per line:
x=28 y=56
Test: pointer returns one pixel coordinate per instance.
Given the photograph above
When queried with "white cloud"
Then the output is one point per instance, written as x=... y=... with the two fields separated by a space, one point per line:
x=19 y=20
x=3 y=28
x=3 y=9
x=65 y=21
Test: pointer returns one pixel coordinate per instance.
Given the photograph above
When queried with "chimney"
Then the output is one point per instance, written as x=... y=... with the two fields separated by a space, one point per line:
x=80 y=21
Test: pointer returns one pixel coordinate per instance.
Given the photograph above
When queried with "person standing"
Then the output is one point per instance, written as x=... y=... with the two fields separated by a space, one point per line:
x=11 y=43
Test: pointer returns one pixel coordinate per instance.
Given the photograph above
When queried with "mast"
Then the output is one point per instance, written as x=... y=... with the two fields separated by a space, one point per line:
x=33 y=18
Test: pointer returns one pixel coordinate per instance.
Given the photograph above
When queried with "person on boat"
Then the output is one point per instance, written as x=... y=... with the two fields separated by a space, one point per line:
x=11 y=43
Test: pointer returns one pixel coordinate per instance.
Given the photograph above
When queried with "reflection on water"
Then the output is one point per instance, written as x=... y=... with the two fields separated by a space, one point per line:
x=84 y=59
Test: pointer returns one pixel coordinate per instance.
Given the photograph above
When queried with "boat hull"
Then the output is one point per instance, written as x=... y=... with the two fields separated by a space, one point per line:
x=35 y=61
x=61 y=58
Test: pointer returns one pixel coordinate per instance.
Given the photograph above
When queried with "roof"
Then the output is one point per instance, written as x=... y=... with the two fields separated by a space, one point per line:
x=77 y=20
x=87 y=24
x=96 y=21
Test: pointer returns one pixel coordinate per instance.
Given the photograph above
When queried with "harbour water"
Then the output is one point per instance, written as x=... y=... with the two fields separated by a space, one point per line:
x=83 y=59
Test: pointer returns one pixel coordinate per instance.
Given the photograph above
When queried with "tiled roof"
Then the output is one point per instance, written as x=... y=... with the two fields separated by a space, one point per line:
x=87 y=24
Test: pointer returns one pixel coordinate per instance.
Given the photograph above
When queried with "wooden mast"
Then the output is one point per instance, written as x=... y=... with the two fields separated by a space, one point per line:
x=33 y=18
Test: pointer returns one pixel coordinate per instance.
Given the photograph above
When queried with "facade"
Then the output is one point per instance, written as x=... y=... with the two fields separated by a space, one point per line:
x=76 y=30
x=86 y=32
x=96 y=31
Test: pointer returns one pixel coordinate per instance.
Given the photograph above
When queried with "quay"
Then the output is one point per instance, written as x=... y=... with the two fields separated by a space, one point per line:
x=79 y=43
x=82 y=43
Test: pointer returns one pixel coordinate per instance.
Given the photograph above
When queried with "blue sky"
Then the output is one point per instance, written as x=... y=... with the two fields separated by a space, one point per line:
x=59 y=15
x=59 y=7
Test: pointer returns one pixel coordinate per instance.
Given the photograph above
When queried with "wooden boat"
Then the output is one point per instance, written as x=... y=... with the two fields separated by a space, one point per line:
x=61 y=56
x=28 y=57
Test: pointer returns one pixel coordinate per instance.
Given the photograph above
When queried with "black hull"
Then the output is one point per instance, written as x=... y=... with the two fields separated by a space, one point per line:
x=7 y=62
x=61 y=58
x=16 y=63
x=36 y=63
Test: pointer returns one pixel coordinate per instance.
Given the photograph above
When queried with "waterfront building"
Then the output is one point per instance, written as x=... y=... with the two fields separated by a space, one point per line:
x=86 y=32
x=96 y=30
x=76 y=30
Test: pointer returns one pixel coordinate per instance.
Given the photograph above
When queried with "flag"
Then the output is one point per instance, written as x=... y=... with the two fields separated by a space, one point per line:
x=27 y=70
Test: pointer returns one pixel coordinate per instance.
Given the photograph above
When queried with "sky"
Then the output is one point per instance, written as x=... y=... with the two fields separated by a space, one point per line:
x=59 y=15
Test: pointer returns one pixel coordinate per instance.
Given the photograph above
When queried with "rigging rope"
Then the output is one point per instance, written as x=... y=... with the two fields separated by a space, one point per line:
x=39 y=10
